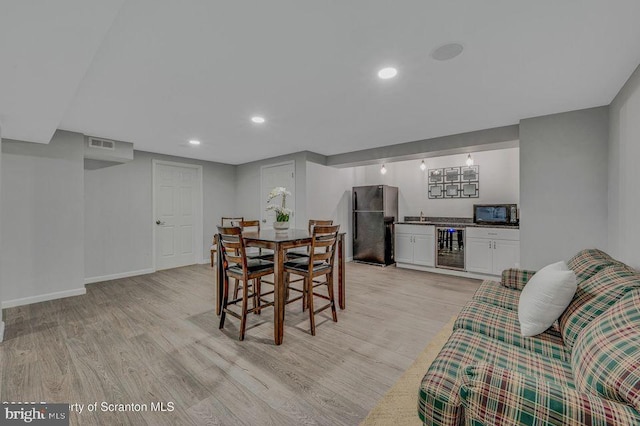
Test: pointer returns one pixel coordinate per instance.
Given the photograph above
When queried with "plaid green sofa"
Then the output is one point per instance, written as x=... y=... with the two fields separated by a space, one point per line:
x=585 y=370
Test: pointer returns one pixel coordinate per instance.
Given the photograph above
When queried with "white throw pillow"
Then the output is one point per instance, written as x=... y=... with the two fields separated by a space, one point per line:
x=545 y=297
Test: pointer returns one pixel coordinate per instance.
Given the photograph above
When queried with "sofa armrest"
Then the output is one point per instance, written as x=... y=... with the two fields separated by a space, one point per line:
x=516 y=278
x=495 y=396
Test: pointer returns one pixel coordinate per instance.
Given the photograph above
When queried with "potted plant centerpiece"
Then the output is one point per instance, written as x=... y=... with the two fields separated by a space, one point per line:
x=282 y=212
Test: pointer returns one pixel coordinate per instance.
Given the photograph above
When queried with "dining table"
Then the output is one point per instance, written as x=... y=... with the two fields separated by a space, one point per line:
x=280 y=242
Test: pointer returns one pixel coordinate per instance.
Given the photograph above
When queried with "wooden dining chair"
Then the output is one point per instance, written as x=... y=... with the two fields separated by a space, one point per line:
x=226 y=221
x=319 y=264
x=304 y=252
x=236 y=265
x=248 y=226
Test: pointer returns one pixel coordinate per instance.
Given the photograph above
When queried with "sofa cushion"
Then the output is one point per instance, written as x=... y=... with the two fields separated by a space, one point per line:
x=503 y=325
x=606 y=355
x=593 y=297
x=496 y=294
x=439 y=400
x=588 y=262
x=545 y=297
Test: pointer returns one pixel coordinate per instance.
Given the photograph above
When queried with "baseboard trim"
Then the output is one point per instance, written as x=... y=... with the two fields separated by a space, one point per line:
x=43 y=298
x=443 y=271
x=92 y=280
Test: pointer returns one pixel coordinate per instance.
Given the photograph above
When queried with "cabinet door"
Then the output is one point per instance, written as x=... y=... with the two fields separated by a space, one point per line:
x=404 y=248
x=424 y=250
x=479 y=255
x=505 y=255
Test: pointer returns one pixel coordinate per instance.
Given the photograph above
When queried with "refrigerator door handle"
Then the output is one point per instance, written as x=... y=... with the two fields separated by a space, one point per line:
x=355 y=226
x=355 y=200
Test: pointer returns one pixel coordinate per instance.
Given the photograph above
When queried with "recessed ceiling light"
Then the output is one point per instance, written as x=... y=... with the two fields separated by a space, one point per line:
x=386 y=73
x=194 y=142
x=447 y=51
x=257 y=119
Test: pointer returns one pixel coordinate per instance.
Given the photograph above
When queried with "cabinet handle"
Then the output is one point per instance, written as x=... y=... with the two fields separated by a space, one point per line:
x=489 y=244
x=494 y=245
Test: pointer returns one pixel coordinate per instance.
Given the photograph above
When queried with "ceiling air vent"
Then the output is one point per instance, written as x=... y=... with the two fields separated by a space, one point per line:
x=102 y=144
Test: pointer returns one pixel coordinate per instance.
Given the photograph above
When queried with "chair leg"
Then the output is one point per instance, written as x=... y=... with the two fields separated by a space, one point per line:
x=212 y=253
x=304 y=295
x=334 y=314
x=256 y=295
x=308 y=287
x=287 y=278
x=225 y=299
x=245 y=302
x=236 y=287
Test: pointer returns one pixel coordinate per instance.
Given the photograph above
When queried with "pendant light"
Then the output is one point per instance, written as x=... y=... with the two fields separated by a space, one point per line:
x=383 y=170
x=423 y=166
x=469 y=160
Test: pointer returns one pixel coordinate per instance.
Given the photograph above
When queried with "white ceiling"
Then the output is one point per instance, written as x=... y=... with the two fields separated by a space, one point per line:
x=158 y=72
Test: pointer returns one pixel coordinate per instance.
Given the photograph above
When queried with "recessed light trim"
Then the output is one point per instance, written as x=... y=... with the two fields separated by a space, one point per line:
x=447 y=51
x=387 y=73
x=194 y=142
x=258 y=119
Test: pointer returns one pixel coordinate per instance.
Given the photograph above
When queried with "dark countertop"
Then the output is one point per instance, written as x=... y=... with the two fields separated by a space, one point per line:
x=451 y=222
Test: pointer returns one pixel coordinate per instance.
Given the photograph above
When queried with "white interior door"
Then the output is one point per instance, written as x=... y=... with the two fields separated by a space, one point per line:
x=177 y=206
x=282 y=174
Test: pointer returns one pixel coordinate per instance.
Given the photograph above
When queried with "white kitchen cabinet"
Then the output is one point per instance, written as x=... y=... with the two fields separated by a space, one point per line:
x=415 y=244
x=492 y=250
x=404 y=248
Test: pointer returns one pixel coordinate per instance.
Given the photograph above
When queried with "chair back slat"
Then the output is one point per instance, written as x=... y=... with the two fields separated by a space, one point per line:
x=318 y=222
x=249 y=225
x=323 y=244
x=232 y=246
x=231 y=221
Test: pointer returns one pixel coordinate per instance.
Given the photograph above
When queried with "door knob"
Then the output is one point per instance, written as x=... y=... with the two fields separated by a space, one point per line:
x=264 y=220
x=159 y=222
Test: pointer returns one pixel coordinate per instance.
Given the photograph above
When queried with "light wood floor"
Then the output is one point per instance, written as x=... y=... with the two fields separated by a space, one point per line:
x=155 y=338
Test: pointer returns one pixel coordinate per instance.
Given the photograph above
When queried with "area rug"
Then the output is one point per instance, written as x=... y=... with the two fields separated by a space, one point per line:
x=399 y=406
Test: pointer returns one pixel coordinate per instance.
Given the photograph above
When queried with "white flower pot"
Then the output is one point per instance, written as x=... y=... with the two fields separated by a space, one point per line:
x=281 y=226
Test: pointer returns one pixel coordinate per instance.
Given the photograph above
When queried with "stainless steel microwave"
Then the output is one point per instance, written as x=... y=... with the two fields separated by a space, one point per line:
x=499 y=214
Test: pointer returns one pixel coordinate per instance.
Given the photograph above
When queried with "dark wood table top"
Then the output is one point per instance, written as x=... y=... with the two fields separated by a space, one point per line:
x=279 y=236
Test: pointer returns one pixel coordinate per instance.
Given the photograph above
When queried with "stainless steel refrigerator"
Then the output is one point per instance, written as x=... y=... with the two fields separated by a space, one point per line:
x=375 y=209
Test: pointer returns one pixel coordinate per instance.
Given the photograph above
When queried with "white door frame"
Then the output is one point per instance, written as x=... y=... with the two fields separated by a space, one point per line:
x=198 y=231
x=293 y=190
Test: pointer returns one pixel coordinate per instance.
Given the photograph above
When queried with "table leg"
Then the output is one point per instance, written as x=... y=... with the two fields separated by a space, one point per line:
x=219 y=275
x=278 y=294
x=341 y=287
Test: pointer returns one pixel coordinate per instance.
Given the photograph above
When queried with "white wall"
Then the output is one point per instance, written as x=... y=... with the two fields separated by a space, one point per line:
x=624 y=173
x=499 y=182
x=118 y=210
x=563 y=185
x=329 y=197
x=248 y=198
x=1 y=282
x=42 y=219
